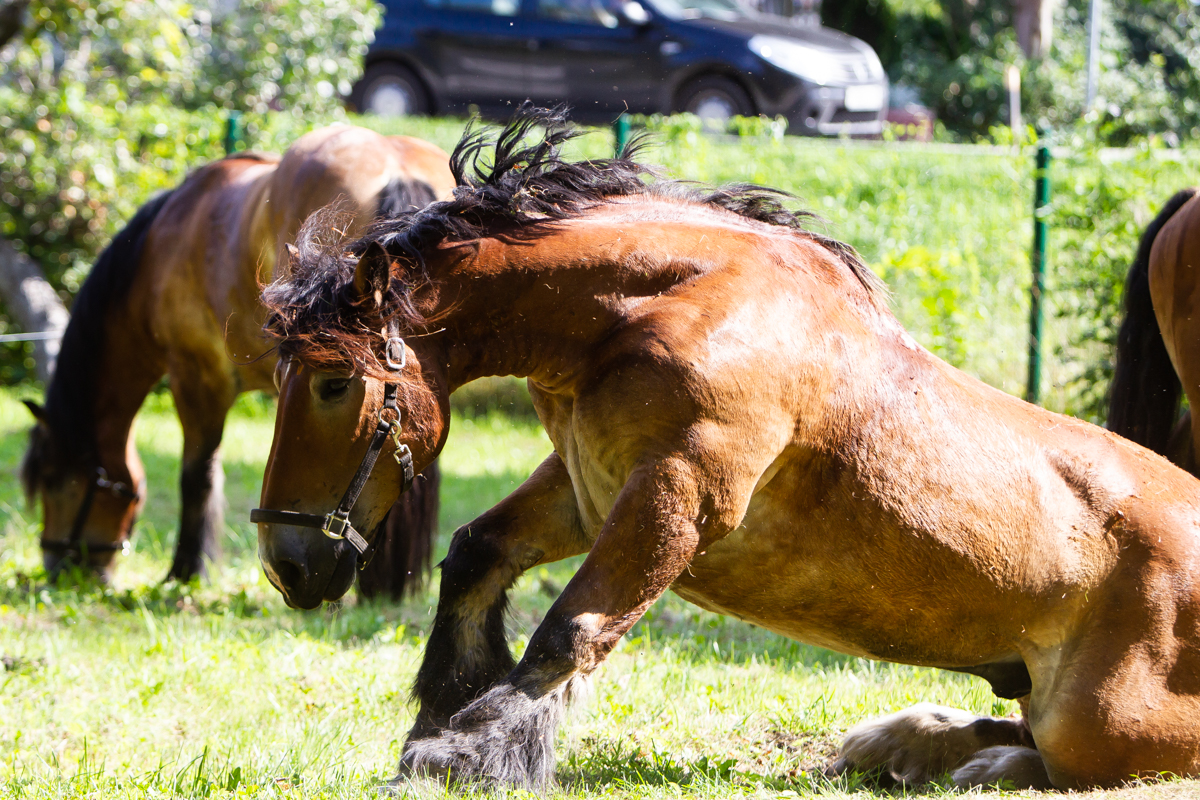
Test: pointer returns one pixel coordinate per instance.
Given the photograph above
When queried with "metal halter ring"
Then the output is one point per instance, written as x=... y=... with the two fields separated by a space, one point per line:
x=395 y=353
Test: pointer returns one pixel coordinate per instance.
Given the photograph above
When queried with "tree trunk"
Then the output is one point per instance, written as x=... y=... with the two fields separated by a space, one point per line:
x=34 y=304
x=1034 y=23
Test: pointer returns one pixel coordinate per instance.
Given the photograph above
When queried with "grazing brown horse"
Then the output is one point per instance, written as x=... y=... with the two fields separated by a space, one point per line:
x=737 y=416
x=1158 y=345
x=176 y=293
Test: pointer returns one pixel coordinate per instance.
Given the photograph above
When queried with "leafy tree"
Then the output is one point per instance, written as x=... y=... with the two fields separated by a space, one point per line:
x=955 y=53
x=105 y=102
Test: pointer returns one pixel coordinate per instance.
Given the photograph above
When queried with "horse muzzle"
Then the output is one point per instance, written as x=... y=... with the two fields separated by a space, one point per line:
x=306 y=568
x=96 y=565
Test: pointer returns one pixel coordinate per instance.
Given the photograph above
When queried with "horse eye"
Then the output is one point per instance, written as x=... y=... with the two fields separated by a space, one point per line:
x=333 y=388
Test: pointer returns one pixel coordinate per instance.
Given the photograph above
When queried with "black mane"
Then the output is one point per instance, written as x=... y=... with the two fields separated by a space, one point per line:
x=505 y=191
x=70 y=398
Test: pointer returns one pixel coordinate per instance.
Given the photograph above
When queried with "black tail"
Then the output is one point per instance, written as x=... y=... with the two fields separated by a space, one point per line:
x=402 y=562
x=401 y=195
x=1144 y=398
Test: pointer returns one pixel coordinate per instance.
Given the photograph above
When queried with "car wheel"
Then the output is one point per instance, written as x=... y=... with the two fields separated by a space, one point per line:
x=714 y=100
x=391 y=90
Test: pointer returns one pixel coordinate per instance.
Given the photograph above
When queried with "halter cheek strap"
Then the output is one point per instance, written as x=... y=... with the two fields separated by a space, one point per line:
x=75 y=543
x=336 y=524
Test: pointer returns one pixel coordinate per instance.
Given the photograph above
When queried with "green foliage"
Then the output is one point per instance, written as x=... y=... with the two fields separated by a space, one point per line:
x=691 y=126
x=295 y=55
x=955 y=54
x=106 y=102
x=873 y=21
x=1098 y=213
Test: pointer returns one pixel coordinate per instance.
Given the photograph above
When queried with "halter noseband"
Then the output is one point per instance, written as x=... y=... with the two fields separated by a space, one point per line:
x=336 y=524
x=75 y=543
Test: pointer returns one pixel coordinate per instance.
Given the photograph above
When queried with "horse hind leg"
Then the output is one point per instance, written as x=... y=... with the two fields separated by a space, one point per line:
x=922 y=743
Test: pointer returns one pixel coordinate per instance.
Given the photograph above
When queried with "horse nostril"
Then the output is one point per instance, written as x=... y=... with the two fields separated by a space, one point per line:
x=290 y=575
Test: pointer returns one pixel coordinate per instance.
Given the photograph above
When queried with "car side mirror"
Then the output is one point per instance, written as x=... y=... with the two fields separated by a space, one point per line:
x=635 y=13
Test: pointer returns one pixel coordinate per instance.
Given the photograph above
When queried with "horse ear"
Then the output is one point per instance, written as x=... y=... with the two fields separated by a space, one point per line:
x=293 y=254
x=373 y=275
x=38 y=411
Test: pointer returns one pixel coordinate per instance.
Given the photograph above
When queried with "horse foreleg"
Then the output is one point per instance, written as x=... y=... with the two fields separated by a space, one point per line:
x=467 y=650
x=506 y=735
x=202 y=413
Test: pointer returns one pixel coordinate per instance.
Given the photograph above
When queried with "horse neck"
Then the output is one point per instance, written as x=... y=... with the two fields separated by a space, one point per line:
x=91 y=415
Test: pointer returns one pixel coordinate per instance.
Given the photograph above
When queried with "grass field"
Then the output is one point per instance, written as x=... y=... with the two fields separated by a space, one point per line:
x=142 y=690
x=216 y=689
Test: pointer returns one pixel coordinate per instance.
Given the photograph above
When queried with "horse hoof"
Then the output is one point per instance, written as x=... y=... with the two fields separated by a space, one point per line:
x=503 y=738
x=1013 y=767
x=921 y=743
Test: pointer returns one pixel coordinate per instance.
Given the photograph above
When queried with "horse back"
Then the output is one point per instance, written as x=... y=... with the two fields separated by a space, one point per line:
x=349 y=166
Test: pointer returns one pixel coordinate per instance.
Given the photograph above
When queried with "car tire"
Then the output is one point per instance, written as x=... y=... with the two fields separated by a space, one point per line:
x=389 y=89
x=715 y=99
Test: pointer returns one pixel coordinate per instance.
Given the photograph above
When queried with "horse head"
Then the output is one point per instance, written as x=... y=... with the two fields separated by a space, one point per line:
x=353 y=396
x=87 y=513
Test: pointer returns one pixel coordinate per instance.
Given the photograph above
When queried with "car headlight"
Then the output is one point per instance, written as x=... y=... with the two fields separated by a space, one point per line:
x=799 y=59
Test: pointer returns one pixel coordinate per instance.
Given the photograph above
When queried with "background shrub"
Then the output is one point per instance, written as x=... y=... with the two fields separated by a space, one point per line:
x=105 y=102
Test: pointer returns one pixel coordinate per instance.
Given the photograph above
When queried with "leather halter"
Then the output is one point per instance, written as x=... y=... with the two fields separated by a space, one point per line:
x=336 y=524
x=75 y=543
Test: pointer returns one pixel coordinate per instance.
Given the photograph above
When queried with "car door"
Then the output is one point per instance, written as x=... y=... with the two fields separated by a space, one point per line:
x=589 y=55
x=480 y=50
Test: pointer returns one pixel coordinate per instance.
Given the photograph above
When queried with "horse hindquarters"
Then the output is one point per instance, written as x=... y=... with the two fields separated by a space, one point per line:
x=1145 y=391
x=1123 y=696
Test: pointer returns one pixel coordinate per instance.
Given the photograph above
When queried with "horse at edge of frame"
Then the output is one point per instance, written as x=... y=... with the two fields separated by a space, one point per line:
x=1157 y=359
x=177 y=293
x=736 y=416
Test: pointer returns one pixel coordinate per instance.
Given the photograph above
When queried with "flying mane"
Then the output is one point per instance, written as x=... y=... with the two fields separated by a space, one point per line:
x=514 y=192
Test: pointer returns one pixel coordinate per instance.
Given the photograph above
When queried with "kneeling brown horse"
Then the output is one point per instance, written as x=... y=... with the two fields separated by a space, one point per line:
x=736 y=416
x=177 y=293
x=1158 y=345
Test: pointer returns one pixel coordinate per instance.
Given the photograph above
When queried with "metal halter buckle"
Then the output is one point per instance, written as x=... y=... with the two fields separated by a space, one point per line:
x=395 y=353
x=334 y=520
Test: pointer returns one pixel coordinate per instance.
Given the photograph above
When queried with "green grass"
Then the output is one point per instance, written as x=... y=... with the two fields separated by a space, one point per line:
x=141 y=690
x=218 y=690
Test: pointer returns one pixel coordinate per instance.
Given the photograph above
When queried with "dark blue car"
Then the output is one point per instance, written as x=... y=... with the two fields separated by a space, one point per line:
x=709 y=57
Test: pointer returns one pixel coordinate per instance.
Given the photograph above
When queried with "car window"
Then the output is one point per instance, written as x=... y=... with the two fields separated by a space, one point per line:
x=589 y=12
x=501 y=8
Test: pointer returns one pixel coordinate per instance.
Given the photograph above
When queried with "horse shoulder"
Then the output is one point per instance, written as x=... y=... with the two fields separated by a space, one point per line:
x=658 y=397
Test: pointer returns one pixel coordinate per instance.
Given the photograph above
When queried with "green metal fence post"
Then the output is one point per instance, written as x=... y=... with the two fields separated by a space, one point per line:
x=1041 y=199
x=621 y=133
x=233 y=131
